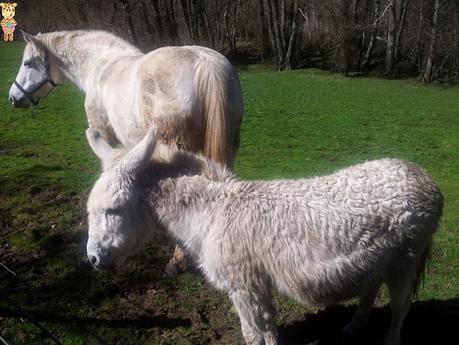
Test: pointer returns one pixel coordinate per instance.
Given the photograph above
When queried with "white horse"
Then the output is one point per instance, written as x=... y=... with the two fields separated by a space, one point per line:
x=318 y=240
x=192 y=94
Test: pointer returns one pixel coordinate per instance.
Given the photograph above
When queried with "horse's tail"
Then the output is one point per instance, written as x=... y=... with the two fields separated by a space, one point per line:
x=215 y=82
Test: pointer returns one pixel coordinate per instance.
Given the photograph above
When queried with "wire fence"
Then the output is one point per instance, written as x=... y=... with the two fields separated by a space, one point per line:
x=27 y=315
x=47 y=334
x=4 y=341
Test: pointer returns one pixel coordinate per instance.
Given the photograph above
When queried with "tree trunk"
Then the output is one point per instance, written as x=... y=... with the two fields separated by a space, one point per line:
x=374 y=31
x=390 y=45
x=268 y=21
x=156 y=21
x=427 y=76
x=401 y=26
x=277 y=31
x=288 y=55
x=230 y=23
x=282 y=26
x=190 y=20
x=273 y=32
x=345 y=37
x=266 y=33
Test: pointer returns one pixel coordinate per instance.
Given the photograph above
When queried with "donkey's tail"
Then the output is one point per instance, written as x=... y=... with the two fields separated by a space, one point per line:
x=424 y=259
x=421 y=270
x=215 y=82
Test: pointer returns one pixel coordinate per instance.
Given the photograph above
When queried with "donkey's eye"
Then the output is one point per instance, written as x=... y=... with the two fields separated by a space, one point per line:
x=112 y=211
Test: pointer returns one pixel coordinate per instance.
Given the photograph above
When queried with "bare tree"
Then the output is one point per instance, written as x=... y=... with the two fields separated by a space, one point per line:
x=400 y=28
x=427 y=75
x=373 y=33
x=282 y=36
x=390 y=43
x=127 y=6
x=232 y=8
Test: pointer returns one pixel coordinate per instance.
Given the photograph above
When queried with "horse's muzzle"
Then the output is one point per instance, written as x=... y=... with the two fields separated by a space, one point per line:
x=20 y=102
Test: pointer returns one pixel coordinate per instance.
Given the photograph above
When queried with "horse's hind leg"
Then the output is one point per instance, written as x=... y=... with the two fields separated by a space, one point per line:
x=362 y=313
x=400 y=289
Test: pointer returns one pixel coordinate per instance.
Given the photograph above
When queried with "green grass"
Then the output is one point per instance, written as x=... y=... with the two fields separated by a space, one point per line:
x=296 y=124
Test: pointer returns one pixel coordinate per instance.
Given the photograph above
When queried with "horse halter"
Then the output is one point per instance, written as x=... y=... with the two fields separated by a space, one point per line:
x=48 y=79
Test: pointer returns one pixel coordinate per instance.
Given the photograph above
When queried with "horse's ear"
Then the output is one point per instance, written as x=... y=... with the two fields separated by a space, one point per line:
x=100 y=147
x=139 y=157
x=30 y=39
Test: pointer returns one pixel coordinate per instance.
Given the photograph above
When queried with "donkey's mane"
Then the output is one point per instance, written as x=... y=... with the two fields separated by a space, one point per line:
x=182 y=163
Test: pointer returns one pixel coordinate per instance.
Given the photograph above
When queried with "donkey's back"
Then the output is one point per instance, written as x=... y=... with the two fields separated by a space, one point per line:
x=336 y=229
x=352 y=227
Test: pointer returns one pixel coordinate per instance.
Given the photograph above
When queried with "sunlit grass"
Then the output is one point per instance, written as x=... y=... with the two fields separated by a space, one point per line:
x=297 y=124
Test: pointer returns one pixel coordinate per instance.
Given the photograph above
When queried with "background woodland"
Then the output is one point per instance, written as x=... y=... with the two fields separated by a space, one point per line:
x=390 y=38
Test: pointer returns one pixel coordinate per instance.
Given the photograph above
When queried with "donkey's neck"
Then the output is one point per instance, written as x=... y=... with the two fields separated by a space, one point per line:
x=183 y=206
x=80 y=53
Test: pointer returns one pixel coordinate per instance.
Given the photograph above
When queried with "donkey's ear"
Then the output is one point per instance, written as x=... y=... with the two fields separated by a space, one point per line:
x=139 y=157
x=100 y=147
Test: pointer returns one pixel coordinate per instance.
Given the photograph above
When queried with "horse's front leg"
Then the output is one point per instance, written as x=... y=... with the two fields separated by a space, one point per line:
x=257 y=315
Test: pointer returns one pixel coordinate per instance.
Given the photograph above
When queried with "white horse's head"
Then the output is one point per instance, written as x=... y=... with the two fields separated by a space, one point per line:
x=118 y=219
x=34 y=79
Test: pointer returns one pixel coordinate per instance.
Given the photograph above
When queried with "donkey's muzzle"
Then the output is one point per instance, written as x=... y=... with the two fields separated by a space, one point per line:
x=101 y=262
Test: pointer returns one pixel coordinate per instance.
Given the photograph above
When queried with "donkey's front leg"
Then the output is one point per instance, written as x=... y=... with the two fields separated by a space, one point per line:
x=257 y=316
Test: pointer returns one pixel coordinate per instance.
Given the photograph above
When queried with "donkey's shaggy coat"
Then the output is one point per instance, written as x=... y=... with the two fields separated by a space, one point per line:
x=318 y=240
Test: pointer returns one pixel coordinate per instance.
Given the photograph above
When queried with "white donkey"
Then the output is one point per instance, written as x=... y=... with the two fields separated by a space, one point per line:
x=191 y=94
x=318 y=240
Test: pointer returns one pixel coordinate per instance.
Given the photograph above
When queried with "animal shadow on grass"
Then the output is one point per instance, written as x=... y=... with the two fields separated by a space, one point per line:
x=61 y=294
x=142 y=321
x=433 y=322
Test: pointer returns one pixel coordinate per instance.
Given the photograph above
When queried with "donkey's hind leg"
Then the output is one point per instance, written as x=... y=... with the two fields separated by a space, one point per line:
x=362 y=313
x=257 y=315
x=400 y=285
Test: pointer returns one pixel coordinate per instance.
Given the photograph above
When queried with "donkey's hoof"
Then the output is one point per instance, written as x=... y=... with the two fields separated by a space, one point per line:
x=352 y=330
x=392 y=340
x=171 y=269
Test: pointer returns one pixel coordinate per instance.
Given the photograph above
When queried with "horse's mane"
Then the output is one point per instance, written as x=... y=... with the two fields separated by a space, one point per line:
x=98 y=37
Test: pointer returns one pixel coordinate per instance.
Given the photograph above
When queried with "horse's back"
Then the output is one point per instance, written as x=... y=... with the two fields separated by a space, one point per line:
x=173 y=97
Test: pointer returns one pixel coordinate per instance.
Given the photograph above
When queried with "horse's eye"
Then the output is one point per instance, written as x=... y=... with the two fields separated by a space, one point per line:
x=28 y=63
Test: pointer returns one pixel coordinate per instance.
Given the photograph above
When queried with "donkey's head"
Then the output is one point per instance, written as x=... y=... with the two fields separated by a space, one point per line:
x=119 y=222
x=33 y=80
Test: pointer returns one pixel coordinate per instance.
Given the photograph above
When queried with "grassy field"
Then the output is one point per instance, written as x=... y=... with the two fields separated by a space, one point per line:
x=298 y=123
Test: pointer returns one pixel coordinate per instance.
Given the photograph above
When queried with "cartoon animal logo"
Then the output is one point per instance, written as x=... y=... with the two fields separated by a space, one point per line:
x=8 y=23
